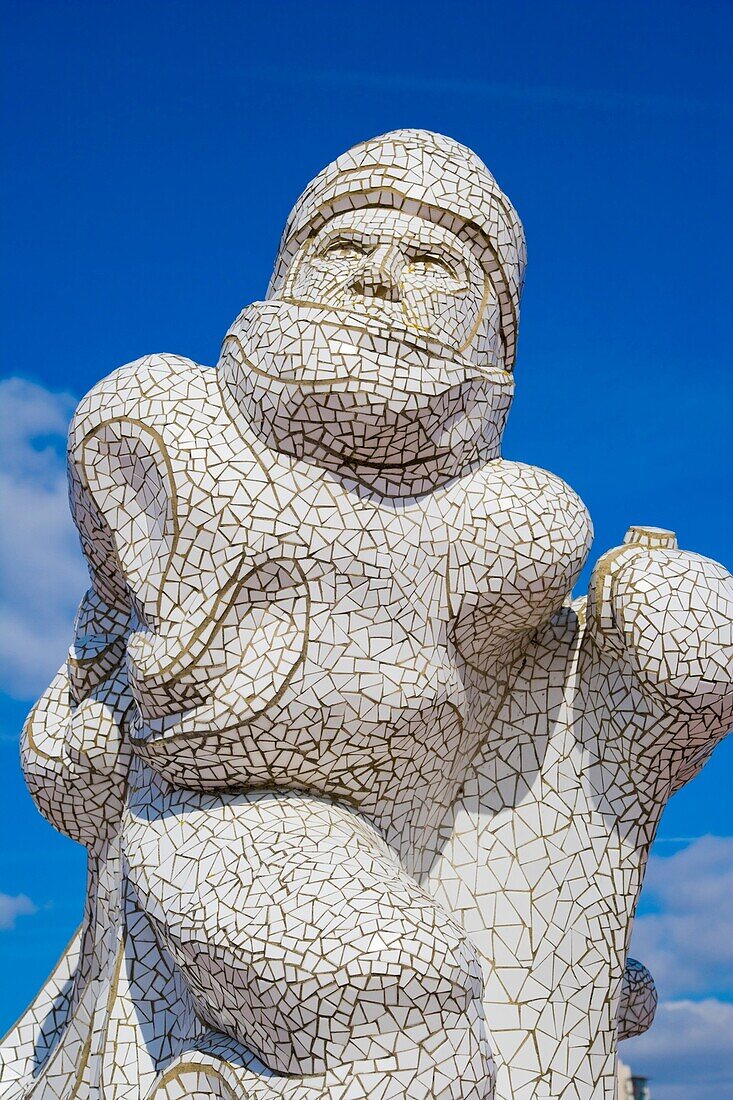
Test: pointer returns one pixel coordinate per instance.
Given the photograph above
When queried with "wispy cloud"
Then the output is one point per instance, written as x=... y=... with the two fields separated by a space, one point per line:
x=524 y=94
x=688 y=1051
x=13 y=906
x=42 y=573
x=687 y=938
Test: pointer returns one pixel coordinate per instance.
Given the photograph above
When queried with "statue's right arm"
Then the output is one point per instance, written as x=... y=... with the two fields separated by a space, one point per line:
x=73 y=748
x=663 y=618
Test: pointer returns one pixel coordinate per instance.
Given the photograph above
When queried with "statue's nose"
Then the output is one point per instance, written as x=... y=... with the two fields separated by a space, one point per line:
x=378 y=276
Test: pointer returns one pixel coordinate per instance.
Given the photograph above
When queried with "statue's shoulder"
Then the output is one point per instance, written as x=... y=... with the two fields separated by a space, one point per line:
x=157 y=391
x=504 y=493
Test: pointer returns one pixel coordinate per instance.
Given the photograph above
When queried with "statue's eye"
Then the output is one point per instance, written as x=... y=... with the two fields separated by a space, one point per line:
x=433 y=267
x=342 y=250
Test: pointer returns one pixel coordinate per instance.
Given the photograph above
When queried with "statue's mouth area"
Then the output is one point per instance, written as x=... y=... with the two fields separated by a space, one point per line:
x=376 y=311
x=338 y=387
x=315 y=346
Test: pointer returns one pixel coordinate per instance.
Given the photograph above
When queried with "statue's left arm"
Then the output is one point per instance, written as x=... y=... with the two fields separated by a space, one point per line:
x=73 y=750
x=669 y=614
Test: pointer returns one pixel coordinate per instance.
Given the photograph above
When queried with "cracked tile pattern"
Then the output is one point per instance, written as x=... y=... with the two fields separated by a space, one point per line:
x=367 y=796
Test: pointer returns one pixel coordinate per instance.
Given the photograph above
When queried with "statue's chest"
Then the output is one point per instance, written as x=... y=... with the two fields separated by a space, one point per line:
x=191 y=521
x=239 y=561
x=362 y=562
x=289 y=581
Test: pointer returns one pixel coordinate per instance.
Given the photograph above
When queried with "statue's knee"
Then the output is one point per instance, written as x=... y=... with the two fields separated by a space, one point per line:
x=307 y=1002
x=304 y=939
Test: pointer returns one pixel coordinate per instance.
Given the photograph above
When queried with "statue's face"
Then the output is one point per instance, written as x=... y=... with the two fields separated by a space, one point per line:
x=396 y=268
x=380 y=350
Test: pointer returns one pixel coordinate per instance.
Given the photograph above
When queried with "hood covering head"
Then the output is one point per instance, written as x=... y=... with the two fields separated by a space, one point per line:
x=435 y=178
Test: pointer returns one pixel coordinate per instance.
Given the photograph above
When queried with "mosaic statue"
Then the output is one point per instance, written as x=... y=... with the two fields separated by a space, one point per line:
x=367 y=796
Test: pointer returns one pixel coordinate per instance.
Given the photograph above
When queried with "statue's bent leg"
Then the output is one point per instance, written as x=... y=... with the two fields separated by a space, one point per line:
x=300 y=935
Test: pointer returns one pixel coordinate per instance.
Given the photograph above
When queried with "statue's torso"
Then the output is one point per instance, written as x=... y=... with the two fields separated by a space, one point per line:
x=297 y=630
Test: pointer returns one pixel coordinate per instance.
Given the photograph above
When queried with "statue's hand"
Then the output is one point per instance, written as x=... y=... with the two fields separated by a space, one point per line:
x=76 y=756
x=95 y=743
x=671 y=613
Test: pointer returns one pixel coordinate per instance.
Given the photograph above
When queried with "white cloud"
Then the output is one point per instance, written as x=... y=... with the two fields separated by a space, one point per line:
x=13 y=906
x=42 y=572
x=687 y=1054
x=687 y=942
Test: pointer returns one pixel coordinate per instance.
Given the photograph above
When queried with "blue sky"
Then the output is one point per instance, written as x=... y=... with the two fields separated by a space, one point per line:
x=154 y=152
